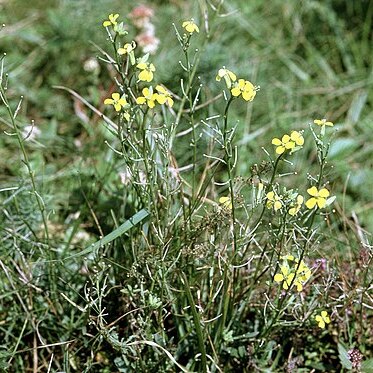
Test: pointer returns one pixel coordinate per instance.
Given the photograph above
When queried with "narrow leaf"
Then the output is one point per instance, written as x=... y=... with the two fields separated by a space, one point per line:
x=137 y=218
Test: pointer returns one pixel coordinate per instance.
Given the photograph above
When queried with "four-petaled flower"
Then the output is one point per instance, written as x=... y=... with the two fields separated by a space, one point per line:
x=148 y=97
x=117 y=101
x=318 y=197
x=292 y=142
x=127 y=48
x=295 y=275
x=164 y=96
x=147 y=69
x=322 y=319
x=228 y=76
x=111 y=21
x=226 y=202
x=273 y=200
x=190 y=26
x=245 y=88
x=298 y=204
x=323 y=123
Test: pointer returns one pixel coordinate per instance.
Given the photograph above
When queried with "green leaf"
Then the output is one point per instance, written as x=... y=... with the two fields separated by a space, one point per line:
x=137 y=218
x=367 y=366
x=343 y=357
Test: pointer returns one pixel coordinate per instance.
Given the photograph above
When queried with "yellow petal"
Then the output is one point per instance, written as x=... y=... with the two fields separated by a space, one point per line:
x=141 y=65
x=106 y=23
x=321 y=202
x=235 y=91
x=270 y=195
x=311 y=203
x=324 y=193
x=122 y=102
x=277 y=205
x=170 y=101
x=285 y=139
x=276 y=141
x=248 y=95
x=161 y=98
x=108 y=101
x=151 y=103
x=140 y=100
x=278 y=277
x=280 y=149
x=115 y=96
x=117 y=107
x=313 y=191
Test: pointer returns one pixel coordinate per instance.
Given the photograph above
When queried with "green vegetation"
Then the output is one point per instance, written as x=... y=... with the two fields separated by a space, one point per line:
x=154 y=217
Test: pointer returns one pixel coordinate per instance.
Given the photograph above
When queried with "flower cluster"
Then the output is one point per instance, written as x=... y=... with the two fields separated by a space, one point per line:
x=318 y=197
x=323 y=123
x=292 y=142
x=147 y=70
x=242 y=87
x=150 y=98
x=112 y=21
x=274 y=200
x=190 y=26
x=296 y=205
x=322 y=319
x=292 y=273
x=226 y=202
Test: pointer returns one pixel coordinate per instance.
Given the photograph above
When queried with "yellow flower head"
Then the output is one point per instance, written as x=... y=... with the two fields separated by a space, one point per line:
x=323 y=123
x=226 y=202
x=290 y=275
x=322 y=319
x=164 y=96
x=190 y=26
x=111 y=21
x=127 y=48
x=273 y=200
x=292 y=142
x=117 y=101
x=148 y=98
x=244 y=88
x=228 y=76
x=298 y=204
x=318 y=197
x=147 y=69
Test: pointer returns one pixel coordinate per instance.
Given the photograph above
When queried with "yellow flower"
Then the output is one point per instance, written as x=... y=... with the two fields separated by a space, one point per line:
x=289 y=274
x=273 y=200
x=226 y=202
x=164 y=96
x=298 y=204
x=148 y=97
x=322 y=319
x=147 y=69
x=190 y=26
x=323 y=122
x=228 y=76
x=117 y=101
x=318 y=197
x=244 y=88
x=127 y=48
x=292 y=142
x=111 y=21
x=297 y=138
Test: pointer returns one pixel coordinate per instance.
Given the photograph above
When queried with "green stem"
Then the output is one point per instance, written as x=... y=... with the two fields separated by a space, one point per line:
x=197 y=324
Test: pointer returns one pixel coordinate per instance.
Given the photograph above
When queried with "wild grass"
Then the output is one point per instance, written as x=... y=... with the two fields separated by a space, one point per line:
x=163 y=239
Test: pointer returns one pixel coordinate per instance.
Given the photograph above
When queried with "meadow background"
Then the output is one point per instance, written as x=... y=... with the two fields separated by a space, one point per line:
x=312 y=59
